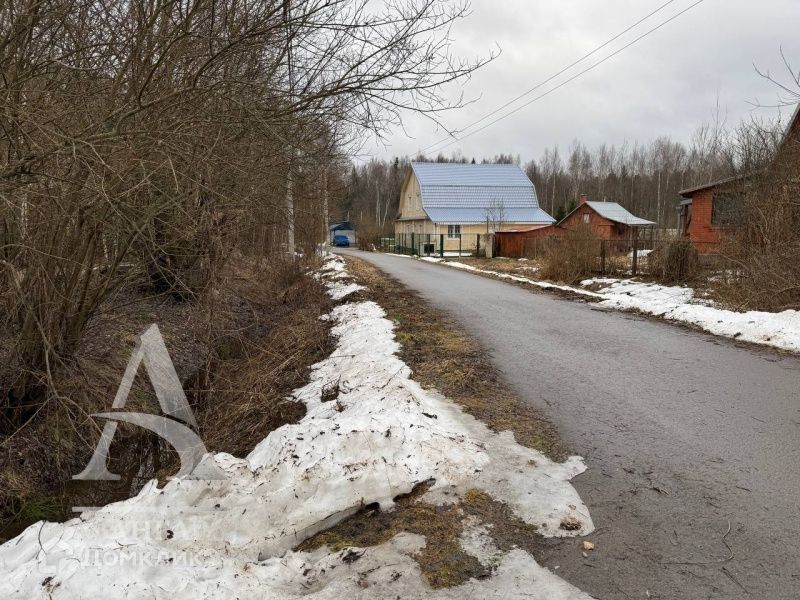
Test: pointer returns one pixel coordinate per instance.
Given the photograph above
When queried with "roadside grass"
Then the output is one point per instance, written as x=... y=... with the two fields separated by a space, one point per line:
x=513 y=266
x=443 y=357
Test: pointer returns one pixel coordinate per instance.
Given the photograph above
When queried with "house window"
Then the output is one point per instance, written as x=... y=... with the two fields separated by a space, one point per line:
x=727 y=209
x=586 y=218
x=454 y=231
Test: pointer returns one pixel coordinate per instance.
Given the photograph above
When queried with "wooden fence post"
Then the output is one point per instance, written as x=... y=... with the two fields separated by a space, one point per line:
x=602 y=257
x=635 y=264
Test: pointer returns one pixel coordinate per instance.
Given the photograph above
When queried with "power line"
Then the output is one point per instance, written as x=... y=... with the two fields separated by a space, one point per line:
x=561 y=72
x=562 y=84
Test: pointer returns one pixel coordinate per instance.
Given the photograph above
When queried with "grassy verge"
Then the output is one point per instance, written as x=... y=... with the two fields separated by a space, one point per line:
x=238 y=352
x=444 y=358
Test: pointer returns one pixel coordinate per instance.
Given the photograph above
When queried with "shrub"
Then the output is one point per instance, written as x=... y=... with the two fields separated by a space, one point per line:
x=673 y=261
x=369 y=236
x=764 y=253
x=572 y=257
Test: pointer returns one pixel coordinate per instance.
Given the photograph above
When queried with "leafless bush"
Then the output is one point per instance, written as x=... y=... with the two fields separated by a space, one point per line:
x=141 y=141
x=764 y=253
x=369 y=235
x=572 y=257
x=144 y=143
x=673 y=261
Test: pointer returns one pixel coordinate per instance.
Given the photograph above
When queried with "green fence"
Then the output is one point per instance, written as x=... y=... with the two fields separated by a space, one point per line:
x=436 y=244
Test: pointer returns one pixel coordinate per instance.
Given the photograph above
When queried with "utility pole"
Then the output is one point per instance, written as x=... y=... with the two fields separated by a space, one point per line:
x=658 y=199
x=287 y=16
x=325 y=222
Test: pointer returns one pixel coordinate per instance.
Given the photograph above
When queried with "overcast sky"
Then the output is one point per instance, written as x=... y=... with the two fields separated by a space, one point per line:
x=666 y=84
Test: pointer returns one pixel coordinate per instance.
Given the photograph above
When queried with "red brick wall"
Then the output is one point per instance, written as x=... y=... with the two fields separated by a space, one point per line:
x=702 y=233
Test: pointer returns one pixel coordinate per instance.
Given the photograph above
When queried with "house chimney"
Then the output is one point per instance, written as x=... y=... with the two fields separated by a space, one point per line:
x=584 y=198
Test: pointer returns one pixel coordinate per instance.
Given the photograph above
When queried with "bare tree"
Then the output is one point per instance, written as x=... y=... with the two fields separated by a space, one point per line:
x=143 y=141
x=496 y=215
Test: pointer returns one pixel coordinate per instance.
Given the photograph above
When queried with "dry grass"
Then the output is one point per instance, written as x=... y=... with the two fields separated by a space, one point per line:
x=238 y=353
x=443 y=561
x=443 y=357
x=512 y=266
x=257 y=362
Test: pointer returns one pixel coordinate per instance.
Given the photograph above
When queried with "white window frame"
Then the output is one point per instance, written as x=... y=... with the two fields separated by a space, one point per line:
x=586 y=218
x=453 y=232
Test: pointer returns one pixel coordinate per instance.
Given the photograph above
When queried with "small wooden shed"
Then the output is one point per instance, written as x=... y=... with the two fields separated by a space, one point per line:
x=521 y=243
x=608 y=220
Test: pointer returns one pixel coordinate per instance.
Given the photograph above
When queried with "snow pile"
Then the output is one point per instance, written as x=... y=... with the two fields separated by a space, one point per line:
x=380 y=436
x=781 y=330
x=535 y=282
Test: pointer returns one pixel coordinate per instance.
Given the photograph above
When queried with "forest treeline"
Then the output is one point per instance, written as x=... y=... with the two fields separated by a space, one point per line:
x=644 y=177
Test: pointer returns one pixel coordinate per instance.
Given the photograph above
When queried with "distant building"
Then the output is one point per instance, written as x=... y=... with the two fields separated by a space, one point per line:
x=462 y=201
x=345 y=229
x=607 y=220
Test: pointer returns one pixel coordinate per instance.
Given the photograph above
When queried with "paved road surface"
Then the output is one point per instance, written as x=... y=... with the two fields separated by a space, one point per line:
x=684 y=434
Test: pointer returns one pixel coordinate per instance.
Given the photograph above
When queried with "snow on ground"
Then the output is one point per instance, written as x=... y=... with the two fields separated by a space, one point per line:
x=234 y=537
x=536 y=282
x=781 y=330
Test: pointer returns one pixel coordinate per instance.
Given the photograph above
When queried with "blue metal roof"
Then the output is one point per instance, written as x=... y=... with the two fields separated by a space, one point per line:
x=463 y=193
x=479 y=215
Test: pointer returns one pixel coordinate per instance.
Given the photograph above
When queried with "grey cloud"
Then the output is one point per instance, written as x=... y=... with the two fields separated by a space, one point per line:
x=667 y=84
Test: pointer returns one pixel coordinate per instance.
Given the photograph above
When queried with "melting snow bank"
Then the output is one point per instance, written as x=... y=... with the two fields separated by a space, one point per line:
x=536 y=282
x=781 y=330
x=380 y=437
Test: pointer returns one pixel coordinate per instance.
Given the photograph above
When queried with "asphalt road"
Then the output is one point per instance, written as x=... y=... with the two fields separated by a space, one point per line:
x=692 y=442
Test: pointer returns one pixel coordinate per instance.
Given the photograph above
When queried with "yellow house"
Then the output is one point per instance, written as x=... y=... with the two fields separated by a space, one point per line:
x=451 y=204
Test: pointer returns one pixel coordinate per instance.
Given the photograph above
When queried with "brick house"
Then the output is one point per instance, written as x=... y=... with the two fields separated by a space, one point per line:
x=708 y=211
x=608 y=220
